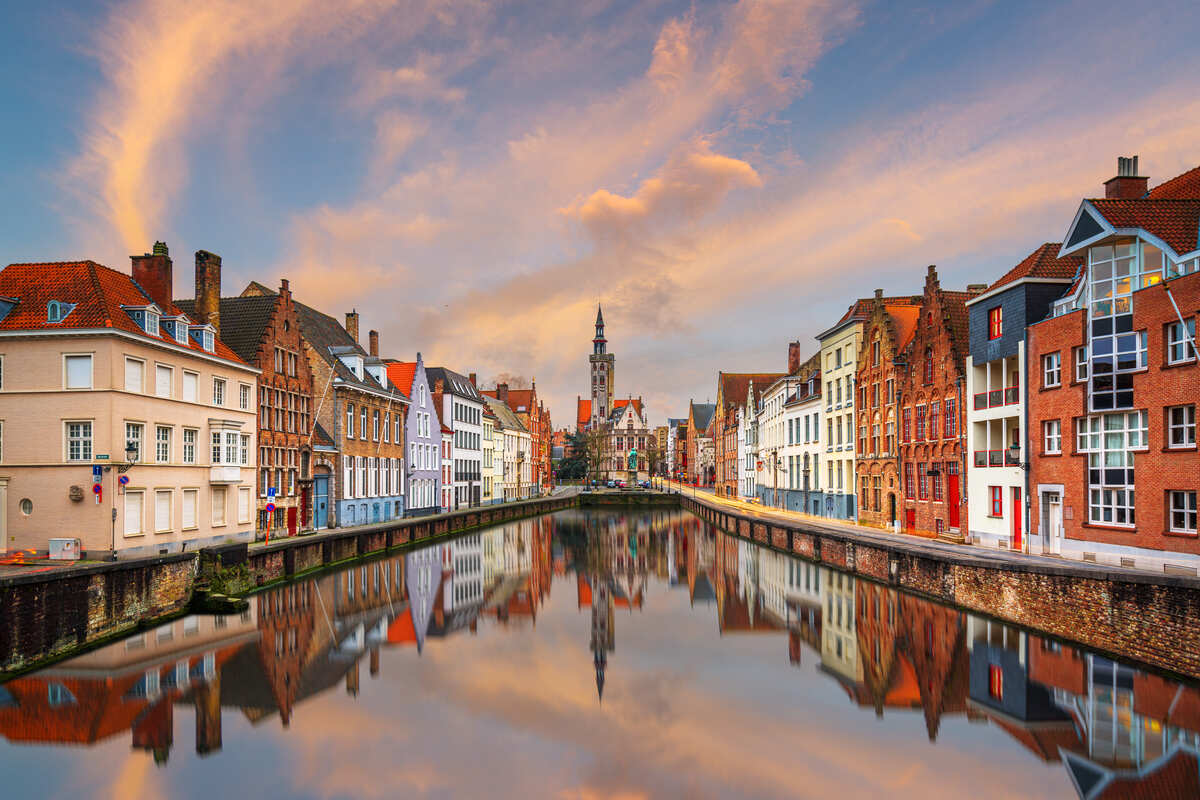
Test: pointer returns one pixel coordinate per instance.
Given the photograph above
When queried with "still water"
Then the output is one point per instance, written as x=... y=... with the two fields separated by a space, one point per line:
x=595 y=654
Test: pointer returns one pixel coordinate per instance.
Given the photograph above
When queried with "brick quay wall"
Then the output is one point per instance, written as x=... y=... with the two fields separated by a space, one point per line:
x=1153 y=619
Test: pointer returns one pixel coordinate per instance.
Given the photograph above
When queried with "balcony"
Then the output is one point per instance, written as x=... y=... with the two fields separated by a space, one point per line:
x=997 y=398
x=997 y=458
x=224 y=473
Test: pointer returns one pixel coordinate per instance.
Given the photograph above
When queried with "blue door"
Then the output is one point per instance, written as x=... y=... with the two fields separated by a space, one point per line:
x=321 y=494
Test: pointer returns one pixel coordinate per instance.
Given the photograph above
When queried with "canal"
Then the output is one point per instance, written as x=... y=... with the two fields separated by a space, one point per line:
x=595 y=653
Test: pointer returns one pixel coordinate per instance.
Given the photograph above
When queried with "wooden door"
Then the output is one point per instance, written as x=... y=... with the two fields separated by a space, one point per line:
x=910 y=519
x=952 y=502
x=1016 y=518
x=292 y=520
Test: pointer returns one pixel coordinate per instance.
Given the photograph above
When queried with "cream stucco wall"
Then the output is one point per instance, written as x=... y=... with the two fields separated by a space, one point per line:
x=35 y=407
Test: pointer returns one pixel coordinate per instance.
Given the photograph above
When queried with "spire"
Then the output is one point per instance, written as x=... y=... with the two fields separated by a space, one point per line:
x=599 y=315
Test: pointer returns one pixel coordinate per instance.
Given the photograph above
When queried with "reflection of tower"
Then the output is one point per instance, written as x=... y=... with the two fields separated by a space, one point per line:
x=603 y=633
x=208 y=716
x=603 y=367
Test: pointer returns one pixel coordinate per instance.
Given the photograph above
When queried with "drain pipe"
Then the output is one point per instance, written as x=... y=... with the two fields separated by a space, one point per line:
x=1191 y=339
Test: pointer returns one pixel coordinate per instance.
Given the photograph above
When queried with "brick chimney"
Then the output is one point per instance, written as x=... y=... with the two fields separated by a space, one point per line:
x=1127 y=184
x=352 y=324
x=879 y=294
x=793 y=358
x=471 y=378
x=974 y=289
x=284 y=288
x=208 y=288
x=154 y=274
x=501 y=392
x=373 y=343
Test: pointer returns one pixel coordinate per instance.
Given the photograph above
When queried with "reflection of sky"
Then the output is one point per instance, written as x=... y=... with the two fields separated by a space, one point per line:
x=513 y=712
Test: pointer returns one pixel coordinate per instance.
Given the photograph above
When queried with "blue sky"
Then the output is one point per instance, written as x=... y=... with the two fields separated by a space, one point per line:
x=473 y=176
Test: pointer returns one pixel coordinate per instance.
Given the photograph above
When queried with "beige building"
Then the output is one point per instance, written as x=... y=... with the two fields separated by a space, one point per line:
x=123 y=422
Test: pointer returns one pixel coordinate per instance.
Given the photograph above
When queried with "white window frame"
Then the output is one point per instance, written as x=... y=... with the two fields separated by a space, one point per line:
x=218 y=392
x=244 y=396
x=244 y=449
x=219 y=520
x=139 y=518
x=135 y=431
x=91 y=381
x=1052 y=436
x=159 y=458
x=1182 y=502
x=189 y=447
x=191 y=498
x=245 y=503
x=159 y=370
x=86 y=445
x=191 y=386
x=1185 y=427
x=1081 y=363
x=139 y=365
x=1180 y=348
x=1052 y=370
x=159 y=526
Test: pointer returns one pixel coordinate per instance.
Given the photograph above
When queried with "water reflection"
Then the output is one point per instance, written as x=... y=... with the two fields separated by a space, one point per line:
x=1114 y=730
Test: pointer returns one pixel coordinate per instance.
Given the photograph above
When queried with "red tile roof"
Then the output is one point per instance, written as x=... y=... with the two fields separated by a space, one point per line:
x=735 y=386
x=1181 y=187
x=1042 y=263
x=1176 y=222
x=619 y=404
x=583 y=412
x=97 y=292
x=401 y=374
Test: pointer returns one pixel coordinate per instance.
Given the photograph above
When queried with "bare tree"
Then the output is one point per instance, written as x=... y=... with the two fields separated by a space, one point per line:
x=596 y=443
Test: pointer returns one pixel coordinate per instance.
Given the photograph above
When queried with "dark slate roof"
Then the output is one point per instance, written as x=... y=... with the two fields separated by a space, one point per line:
x=504 y=415
x=326 y=336
x=703 y=413
x=452 y=383
x=320 y=436
x=243 y=321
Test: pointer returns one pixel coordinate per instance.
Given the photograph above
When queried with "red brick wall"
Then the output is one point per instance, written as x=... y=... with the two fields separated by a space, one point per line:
x=876 y=462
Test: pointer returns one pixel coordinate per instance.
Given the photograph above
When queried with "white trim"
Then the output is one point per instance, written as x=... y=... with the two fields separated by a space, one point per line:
x=1018 y=282
x=1107 y=229
x=1110 y=230
x=80 y=332
x=398 y=396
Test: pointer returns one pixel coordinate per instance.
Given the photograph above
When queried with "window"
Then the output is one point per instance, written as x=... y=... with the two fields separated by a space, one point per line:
x=1181 y=342
x=350 y=421
x=78 y=371
x=1111 y=506
x=906 y=423
x=928 y=365
x=218 y=391
x=996 y=682
x=189 y=445
x=162 y=444
x=1051 y=370
x=133 y=435
x=162 y=511
x=1081 y=363
x=950 y=426
x=243 y=505
x=79 y=441
x=134 y=369
x=995 y=322
x=244 y=396
x=134 y=500
x=933 y=419
x=997 y=501
x=922 y=481
x=362 y=423
x=218 y=506
x=1052 y=437
x=244 y=449
x=190 y=497
x=190 y=379
x=164 y=378
x=1183 y=511
x=910 y=487
x=921 y=412
x=375 y=425
x=1181 y=426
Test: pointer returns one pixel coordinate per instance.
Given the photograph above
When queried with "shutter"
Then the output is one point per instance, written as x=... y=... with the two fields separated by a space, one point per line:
x=133 y=513
x=79 y=372
x=133 y=376
x=189 y=509
x=189 y=386
x=162 y=381
x=162 y=511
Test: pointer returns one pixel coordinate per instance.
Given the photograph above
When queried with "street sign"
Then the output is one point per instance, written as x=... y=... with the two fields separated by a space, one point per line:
x=102 y=456
x=98 y=490
x=123 y=480
x=97 y=470
x=270 y=491
x=270 y=508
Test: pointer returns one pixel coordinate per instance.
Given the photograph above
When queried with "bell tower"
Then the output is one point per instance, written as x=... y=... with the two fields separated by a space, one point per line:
x=602 y=364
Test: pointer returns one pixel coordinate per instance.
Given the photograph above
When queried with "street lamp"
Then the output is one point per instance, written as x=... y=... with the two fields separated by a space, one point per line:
x=131 y=454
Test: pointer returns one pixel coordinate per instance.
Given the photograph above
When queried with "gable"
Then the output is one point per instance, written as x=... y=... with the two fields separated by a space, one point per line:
x=1085 y=228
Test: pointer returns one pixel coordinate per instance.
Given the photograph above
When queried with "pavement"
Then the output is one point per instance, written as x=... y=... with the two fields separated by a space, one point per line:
x=866 y=534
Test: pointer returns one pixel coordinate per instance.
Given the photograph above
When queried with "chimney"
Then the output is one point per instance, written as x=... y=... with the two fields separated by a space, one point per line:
x=208 y=288
x=501 y=392
x=879 y=294
x=154 y=274
x=352 y=324
x=976 y=288
x=471 y=378
x=1127 y=185
x=284 y=288
x=793 y=358
x=373 y=343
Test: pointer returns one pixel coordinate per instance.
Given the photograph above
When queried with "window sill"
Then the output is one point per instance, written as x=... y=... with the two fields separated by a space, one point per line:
x=1100 y=526
x=1177 y=364
x=1191 y=448
x=1181 y=534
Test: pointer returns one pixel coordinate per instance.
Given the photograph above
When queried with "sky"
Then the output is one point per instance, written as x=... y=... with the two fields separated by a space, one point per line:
x=474 y=177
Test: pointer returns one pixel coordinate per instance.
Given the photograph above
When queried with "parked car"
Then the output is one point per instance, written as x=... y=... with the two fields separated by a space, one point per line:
x=644 y=484
x=621 y=485
x=612 y=484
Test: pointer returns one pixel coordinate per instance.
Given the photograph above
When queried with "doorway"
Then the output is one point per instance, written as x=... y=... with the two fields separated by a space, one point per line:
x=1016 y=518
x=1052 y=521
x=321 y=502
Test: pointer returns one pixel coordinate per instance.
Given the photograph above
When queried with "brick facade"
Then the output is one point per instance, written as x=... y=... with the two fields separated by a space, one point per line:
x=932 y=391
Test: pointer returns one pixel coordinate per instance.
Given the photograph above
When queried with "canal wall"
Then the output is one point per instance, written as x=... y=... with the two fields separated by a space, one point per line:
x=47 y=615
x=1151 y=618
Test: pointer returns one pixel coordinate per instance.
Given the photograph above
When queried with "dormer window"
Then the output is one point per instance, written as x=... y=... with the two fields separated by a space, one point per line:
x=56 y=311
x=205 y=336
x=176 y=328
x=151 y=326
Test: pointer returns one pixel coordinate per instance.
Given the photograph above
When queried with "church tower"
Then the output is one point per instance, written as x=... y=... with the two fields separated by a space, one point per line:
x=602 y=365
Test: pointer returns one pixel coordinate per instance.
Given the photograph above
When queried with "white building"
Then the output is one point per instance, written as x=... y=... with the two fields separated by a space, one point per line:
x=839 y=352
x=462 y=411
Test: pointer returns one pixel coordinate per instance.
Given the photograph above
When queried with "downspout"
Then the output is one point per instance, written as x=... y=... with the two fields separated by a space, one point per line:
x=1028 y=440
x=961 y=411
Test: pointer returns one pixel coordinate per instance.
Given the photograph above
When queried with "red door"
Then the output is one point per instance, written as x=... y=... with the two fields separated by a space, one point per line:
x=1016 y=518
x=291 y=517
x=952 y=498
x=910 y=519
x=304 y=506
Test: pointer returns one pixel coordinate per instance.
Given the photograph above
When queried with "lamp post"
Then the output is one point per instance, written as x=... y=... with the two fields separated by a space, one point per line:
x=131 y=454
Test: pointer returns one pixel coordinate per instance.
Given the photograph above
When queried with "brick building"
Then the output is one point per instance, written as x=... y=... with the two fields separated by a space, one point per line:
x=1116 y=387
x=699 y=443
x=996 y=380
x=732 y=389
x=262 y=327
x=887 y=332
x=536 y=419
x=931 y=391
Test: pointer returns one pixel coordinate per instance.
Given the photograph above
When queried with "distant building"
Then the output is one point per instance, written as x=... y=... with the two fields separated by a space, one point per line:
x=698 y=445
x=732 y=389
x=460 y=407
x=422 y=437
